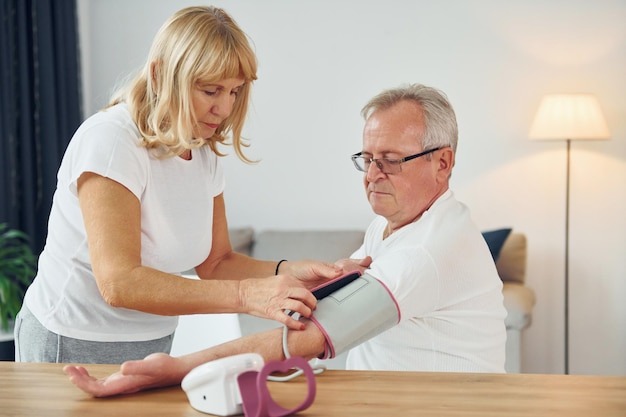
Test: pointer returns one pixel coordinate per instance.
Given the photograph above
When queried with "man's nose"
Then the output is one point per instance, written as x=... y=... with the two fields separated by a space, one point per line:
x=374 y=172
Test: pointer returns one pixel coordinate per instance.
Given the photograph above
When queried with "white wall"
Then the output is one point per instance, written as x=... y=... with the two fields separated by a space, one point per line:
x=320 y=60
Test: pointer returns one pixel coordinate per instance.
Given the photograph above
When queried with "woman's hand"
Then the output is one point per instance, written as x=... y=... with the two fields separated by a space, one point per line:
x=155 y=371
x=288 y=291
x=271 y=297
x=348 y=265
x=311 y=273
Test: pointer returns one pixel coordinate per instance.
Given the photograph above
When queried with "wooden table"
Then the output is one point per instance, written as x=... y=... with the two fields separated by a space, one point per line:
x=43 y=390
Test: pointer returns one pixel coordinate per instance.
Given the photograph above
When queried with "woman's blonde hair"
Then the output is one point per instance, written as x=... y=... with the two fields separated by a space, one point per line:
x=196 y=44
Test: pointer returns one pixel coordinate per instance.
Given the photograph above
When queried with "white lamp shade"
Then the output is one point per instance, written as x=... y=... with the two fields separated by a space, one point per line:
x=569 y=116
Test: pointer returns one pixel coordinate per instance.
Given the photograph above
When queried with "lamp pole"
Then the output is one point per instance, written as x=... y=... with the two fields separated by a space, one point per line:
x=566 y=311
x=571 y=116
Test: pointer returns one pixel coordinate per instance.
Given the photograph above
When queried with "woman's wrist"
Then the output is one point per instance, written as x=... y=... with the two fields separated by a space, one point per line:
x=278 y=265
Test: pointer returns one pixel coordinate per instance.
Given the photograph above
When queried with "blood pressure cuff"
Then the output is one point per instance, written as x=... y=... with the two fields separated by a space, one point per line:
x=355 y=313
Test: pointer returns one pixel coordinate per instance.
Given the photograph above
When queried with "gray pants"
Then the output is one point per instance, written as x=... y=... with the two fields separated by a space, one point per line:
x=35 y=343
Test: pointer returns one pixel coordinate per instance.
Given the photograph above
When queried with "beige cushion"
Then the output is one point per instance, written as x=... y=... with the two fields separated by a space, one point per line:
x=511 y=264
x=518 y=301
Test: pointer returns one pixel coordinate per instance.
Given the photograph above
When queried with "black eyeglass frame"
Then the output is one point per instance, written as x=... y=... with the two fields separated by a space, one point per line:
x=398 y=161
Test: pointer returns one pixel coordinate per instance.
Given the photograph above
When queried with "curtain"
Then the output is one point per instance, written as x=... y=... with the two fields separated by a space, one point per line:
x=40 y=107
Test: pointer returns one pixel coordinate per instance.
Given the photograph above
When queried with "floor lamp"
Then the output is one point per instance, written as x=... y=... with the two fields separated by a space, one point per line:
x=568 y=117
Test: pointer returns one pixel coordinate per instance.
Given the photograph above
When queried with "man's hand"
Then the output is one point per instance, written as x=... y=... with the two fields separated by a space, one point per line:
x=155 y=371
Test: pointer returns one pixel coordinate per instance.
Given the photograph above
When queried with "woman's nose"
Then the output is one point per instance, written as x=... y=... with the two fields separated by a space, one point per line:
x=224 y=105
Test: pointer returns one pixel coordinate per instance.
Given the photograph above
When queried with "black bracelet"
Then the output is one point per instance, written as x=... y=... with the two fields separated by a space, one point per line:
x=278 y=265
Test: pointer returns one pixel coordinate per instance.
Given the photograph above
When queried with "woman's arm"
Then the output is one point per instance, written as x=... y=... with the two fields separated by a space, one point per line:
x=112 y=216
x=223 y=263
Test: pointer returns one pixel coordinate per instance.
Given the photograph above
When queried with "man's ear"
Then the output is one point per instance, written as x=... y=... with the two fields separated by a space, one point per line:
x=445 y=162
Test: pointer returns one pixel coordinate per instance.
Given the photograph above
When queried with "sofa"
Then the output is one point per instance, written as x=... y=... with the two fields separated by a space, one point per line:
x=519 y=299
x=507 y=247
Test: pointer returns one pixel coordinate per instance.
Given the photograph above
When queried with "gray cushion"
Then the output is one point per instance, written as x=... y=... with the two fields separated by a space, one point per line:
x=321 y=245
x=241 y=239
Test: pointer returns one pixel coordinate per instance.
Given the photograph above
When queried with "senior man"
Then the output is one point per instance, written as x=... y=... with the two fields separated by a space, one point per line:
x=422 y=247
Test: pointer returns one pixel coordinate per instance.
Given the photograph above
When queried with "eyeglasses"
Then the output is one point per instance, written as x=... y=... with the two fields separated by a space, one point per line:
x=386 y=165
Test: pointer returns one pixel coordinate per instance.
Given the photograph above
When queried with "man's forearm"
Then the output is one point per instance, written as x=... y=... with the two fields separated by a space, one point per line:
x=308 y=343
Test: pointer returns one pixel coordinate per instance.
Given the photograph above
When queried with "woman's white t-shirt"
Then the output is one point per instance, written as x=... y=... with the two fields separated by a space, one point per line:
x=176 y=199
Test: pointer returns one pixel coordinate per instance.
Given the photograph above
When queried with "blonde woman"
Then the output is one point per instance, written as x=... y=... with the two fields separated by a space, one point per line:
x=140 y=198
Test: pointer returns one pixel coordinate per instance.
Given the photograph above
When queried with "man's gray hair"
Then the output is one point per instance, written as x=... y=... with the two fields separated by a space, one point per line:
x=441 y=127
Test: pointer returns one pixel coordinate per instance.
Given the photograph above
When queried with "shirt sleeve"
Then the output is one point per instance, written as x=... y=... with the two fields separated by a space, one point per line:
x=414 y=283
x=111 y=151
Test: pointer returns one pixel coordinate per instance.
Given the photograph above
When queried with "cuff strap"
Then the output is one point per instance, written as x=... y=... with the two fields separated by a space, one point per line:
x=355 y=313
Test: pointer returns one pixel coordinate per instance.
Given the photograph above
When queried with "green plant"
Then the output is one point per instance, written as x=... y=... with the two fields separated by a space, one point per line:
x=17 y=270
